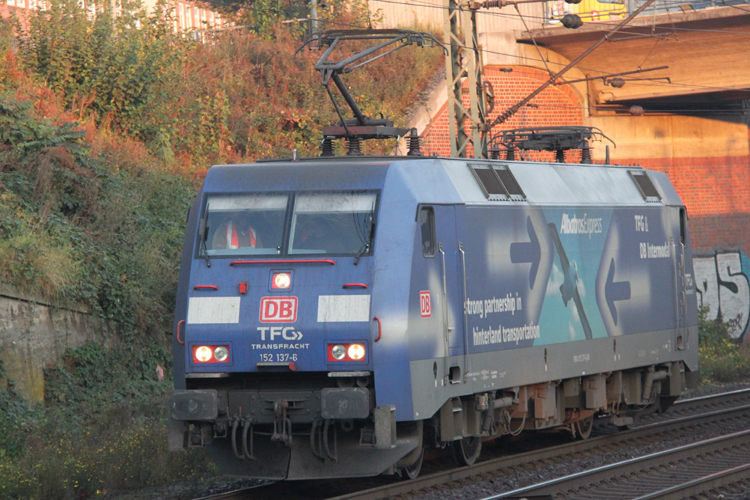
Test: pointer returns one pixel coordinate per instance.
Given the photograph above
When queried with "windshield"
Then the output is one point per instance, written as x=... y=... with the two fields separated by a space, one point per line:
x=332 y=223
x=244 y=224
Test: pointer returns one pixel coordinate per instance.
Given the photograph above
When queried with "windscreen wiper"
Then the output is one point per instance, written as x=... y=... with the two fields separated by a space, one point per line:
x=362 y=251
x=366 y=244
x=203 y=235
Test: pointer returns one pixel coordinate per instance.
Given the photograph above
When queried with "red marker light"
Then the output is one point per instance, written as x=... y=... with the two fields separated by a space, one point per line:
x=346 y=352
x=243 y=287
x=281 y=280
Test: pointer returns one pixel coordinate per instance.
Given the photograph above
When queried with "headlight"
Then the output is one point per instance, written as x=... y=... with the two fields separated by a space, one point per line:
x=338 y=352
x=221 y=353
x=281 y=280
x=203 y=354
x=356 y=352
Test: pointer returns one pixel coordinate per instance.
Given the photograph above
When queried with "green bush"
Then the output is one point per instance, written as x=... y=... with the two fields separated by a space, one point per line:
x=83 y=229
x=16 y=418
x=120 y=67
x=722 y=358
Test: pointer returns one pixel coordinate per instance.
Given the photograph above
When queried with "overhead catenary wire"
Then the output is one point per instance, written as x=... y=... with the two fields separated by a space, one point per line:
x=513 y=109
x=531 y=35
x=542 y=18
x=609 y=107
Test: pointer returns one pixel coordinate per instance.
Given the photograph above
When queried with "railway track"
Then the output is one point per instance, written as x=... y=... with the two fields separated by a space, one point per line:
x=671 y=474
x=699 y=413
x=702 y=404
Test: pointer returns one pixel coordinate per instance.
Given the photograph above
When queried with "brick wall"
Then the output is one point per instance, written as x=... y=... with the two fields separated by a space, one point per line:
x=557 y=105
x=716 y=192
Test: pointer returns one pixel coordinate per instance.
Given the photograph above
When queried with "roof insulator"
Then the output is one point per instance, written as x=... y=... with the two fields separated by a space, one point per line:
x=326 y=147
x=414 y=144
x=354 y=147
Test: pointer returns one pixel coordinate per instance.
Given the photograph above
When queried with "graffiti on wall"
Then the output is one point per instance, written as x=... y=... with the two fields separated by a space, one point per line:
x=722 y=285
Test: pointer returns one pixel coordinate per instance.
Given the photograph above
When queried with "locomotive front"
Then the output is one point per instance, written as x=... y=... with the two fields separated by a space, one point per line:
x=274 y=334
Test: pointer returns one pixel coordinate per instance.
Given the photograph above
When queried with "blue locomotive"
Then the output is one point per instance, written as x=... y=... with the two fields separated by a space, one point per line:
x=338 y=315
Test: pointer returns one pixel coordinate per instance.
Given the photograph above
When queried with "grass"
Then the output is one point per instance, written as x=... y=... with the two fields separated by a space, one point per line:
x=86 y=465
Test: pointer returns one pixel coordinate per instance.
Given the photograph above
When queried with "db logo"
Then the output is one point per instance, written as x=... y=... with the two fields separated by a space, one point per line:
x=278 y=309
x=425 y=305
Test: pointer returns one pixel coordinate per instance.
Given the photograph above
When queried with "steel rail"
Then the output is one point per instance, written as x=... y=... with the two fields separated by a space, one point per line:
x=704 y=484
x=733 y=448
x=701 y=403
x=718 y=396
x=492 y=466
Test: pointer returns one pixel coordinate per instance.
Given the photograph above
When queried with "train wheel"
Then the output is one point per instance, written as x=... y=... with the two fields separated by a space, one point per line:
x=412 y=471
x=466 y=450
x=584 y=427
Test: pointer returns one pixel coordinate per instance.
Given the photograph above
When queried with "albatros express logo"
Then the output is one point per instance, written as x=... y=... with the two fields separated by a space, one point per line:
x=580 y=225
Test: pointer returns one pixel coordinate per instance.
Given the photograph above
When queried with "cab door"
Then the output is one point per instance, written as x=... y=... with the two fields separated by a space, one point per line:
x=448 y=265
x=681 y=340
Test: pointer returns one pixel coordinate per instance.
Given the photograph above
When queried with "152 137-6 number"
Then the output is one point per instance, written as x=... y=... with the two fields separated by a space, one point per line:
x=278 y=357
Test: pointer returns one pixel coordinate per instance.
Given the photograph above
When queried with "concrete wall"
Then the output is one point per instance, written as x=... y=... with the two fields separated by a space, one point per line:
x=430 y=14
x=34 y=336
x=673 y=136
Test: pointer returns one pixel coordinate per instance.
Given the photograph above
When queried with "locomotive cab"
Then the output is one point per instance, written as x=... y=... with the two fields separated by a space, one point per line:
x=277 y=336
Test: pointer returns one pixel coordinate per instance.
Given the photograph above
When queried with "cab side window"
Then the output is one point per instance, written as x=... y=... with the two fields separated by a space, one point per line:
x=683 y=225
x=427 y=226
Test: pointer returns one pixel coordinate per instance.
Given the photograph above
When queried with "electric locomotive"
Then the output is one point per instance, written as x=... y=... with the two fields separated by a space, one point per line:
x=338 y=315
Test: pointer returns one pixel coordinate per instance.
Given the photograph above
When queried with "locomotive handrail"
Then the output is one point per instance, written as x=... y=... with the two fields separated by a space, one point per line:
x=380 y=328
x=284 y=261
x=444 y=306
x=348 y=285
x=466 y=324
x=178 y=332
x=205 y=287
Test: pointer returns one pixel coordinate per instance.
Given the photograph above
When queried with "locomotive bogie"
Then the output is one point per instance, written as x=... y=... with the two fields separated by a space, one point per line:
x=337 y=316
x=562 y=403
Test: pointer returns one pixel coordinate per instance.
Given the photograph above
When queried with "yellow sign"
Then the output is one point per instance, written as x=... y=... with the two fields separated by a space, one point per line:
x=587 y=10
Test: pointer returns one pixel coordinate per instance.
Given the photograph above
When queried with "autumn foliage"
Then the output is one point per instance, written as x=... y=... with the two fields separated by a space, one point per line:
x=108 y=123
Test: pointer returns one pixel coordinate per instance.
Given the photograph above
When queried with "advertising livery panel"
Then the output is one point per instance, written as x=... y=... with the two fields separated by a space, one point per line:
x=556 y=275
